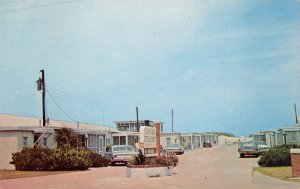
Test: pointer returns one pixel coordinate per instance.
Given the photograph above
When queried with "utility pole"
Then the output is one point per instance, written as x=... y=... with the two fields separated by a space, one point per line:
x=296 y=113
x=77 y=135
x=41 y=87
x=172 y=121
x=137 y=120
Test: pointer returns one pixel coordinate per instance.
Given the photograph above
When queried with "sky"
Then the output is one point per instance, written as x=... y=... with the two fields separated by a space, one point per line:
x=227 y=66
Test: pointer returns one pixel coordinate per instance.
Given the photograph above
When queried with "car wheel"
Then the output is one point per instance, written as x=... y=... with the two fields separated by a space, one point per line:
x=241 y=155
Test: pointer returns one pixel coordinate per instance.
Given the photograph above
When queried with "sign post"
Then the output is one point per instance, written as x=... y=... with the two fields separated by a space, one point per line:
x=148 y=141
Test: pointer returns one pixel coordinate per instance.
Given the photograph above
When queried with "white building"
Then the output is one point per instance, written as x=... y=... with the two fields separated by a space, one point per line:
x=17 y=132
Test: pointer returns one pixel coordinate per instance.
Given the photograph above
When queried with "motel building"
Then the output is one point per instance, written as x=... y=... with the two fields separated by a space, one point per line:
x=189 y=141
x=283 y=135
x=130 y=133
x=17 y=132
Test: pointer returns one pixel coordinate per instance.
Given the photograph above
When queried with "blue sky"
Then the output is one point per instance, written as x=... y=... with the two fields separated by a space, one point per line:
x=230 y=66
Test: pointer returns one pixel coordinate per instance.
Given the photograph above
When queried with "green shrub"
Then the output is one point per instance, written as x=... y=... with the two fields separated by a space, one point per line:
x=70 y=159
x=277 y=156
x=44 y=159
x=167 y=159
x=138 y=159
x=32 y=159
x=66 y=137
x=98 y=160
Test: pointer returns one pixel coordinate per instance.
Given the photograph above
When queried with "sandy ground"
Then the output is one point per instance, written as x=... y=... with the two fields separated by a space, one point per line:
x=216 y=168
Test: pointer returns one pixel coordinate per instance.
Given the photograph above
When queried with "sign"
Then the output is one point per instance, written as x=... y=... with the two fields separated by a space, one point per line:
x=148 y=138
x=150 y=151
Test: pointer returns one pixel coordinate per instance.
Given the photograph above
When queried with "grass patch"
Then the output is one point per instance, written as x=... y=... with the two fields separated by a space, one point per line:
x=11 y=174
x=282 y=173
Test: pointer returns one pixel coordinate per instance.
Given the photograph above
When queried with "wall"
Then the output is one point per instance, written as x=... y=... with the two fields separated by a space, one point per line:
x=174 y=139
x=12 y=141
x=227 y=140
x=8 y=145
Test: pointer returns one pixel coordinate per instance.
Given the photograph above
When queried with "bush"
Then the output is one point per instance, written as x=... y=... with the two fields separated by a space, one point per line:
x=138 y=159
x=277 y=156
x=66 y=137
x=44 y=159
x=98 y=160
x=167 y=159
x=70 y=159
x=32 y=159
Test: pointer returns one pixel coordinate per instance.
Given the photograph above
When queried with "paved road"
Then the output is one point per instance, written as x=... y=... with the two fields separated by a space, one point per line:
x=212 y=168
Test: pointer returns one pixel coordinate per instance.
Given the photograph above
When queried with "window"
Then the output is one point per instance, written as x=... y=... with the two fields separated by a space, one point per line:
x=291 y=136
x=168 y=141
x=35 y=140
x=259 y=138
x=108 y=141
x=116 y=140
x=45 y=141
x=25 y=141
x=122 y=140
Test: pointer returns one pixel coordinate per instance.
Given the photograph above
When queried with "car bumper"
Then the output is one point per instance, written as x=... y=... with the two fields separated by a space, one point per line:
x=248 y=152
x=175 y=152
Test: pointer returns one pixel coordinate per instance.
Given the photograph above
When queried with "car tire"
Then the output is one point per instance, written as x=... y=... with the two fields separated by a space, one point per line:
x=241 y=155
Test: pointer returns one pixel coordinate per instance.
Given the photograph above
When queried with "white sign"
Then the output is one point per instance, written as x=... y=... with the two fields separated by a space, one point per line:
x=148 y=136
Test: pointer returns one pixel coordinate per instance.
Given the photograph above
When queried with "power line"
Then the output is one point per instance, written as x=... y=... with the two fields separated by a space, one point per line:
x=60 y=107
x=86 y=104
x=40 y=6
x=76 y=98
x=9 y=2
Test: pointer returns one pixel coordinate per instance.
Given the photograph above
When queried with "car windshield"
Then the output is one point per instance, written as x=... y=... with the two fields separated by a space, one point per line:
x=174 y=146
x=247 y=144
x=260 y=143
x=121 y=148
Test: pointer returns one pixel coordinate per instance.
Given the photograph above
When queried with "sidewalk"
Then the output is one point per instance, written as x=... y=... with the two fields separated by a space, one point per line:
x=268 y=182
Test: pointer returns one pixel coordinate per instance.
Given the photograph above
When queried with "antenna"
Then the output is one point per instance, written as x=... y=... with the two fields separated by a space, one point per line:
x=137 y=120
x=172 y=121
x=296 y=113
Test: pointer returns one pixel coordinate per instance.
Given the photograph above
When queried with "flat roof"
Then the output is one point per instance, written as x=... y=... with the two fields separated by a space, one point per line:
x=22 y=121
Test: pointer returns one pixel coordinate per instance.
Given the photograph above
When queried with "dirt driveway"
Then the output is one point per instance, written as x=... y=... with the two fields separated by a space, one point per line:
x=215 y=168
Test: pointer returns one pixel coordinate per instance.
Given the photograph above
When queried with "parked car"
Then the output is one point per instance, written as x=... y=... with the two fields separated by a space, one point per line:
x=262 y=149
x=248 y=148
x=207 y=144
x=119 y=154
x=174 y=149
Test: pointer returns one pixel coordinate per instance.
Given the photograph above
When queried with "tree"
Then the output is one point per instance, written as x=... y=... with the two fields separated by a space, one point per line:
x=224 y=134
x=66 y=137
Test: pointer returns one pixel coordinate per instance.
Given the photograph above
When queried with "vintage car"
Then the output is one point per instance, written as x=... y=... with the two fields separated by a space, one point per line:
x=119 y=154
x=248 y=148
x=206 y=144
x=174 y=149
x=262 y=149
